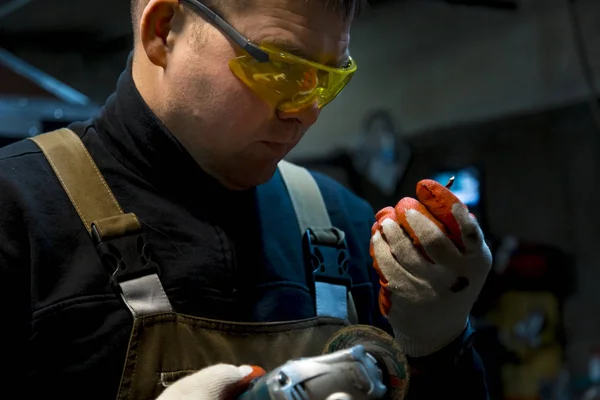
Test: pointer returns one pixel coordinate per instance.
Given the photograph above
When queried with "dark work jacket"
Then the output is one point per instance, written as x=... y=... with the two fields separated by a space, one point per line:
x=228 y=255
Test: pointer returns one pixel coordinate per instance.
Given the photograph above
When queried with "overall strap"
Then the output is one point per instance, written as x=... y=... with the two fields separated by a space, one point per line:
x=118 y=236
x=324 y=246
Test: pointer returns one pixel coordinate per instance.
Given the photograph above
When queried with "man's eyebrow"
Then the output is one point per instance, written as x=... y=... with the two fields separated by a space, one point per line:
x=294 y=49
x=289 y=47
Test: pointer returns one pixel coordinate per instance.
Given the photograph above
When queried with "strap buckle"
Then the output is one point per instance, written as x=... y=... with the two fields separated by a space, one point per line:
x=327 y=260
x=126 y=256
x=326 y=255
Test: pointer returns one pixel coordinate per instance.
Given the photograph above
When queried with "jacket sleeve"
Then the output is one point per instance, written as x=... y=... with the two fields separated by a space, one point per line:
x=454 y=371
x=14 y=290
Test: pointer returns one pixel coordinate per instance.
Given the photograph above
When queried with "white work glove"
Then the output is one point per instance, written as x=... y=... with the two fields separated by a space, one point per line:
x=432 y=261
x=218 y=382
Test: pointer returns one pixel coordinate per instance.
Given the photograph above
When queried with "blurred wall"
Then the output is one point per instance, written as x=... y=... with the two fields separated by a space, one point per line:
x=436 y=65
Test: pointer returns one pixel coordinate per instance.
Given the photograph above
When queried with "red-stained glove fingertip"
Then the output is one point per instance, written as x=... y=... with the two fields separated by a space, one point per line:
x=240 y=387
x=382 y=278
x=257 y=372
x=402 y=208
x=435 y=195
x=385 y=301
x=439 y=200
x=384 y=212
x=374 y=228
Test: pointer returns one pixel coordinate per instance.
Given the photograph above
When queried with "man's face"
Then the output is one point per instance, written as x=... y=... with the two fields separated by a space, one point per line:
x=232 y=133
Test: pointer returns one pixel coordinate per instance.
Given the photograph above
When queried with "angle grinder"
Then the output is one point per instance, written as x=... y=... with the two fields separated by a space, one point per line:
x=358 y=362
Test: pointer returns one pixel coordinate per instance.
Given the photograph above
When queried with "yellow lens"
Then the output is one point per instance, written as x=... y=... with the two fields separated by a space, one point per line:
x=290 y=83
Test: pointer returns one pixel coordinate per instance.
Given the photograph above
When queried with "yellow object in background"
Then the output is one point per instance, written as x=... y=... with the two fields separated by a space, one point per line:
x=523 y=381
x=528 y=323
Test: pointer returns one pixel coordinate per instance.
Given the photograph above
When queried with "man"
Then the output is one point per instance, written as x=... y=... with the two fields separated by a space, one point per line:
x=168 y=242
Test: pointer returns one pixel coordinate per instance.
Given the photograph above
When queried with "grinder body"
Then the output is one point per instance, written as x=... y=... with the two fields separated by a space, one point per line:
x=359 y=363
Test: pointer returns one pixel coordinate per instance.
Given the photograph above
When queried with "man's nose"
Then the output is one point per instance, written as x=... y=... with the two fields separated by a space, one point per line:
x=306 y=115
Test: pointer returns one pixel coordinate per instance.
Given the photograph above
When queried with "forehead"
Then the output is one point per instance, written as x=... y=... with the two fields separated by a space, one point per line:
x=304 y=27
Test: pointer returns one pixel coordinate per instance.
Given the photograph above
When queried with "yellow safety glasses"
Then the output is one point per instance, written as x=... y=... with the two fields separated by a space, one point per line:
x=290 y=83
x=285 y=81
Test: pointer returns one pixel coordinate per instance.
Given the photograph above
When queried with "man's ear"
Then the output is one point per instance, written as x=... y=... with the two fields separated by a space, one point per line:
x=156 y=24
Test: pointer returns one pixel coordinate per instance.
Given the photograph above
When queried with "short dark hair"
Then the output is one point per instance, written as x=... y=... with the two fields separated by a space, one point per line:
x=349 y=8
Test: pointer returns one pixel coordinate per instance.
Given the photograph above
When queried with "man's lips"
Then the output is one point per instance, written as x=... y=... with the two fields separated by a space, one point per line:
x=278 y=147
x=288 y=139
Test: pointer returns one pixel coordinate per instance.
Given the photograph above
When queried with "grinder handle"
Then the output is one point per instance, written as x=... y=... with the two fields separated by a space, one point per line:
x=346 y=374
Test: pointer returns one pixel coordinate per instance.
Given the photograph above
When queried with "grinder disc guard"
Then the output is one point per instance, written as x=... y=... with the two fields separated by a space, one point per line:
x=383 y=348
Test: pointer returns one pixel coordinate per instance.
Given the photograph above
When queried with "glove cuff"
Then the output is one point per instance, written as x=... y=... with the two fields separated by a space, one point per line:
x=424 y=346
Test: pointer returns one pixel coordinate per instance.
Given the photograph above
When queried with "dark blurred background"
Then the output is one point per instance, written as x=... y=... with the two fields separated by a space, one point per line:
x=500 y=94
